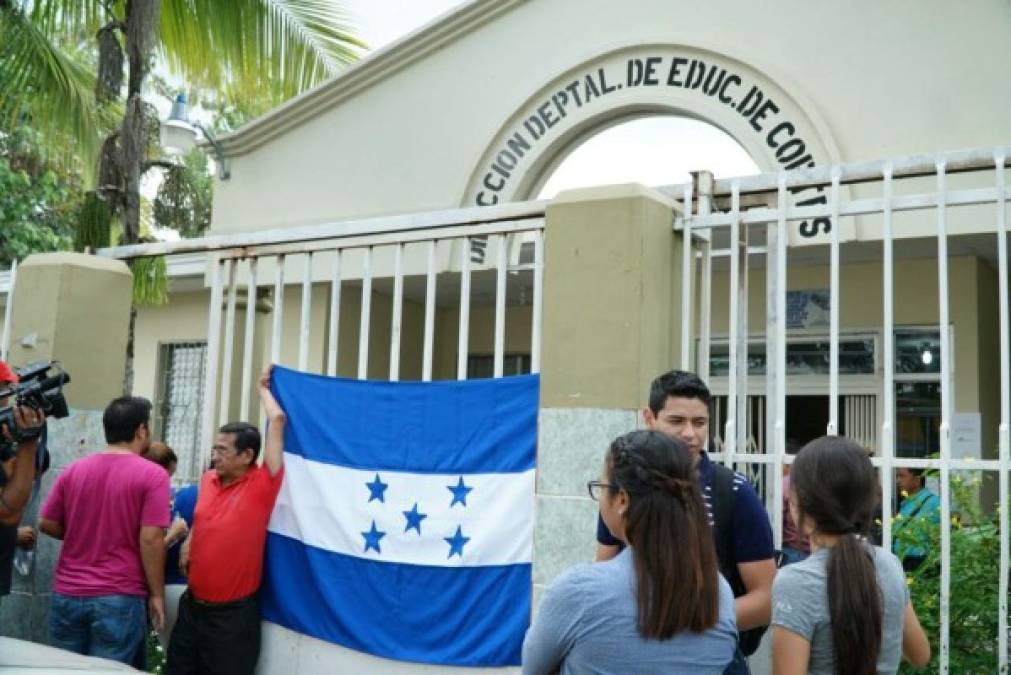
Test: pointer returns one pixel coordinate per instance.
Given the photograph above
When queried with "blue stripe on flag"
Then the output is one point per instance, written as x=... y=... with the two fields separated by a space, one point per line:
x=465 y=616
x=471 y=426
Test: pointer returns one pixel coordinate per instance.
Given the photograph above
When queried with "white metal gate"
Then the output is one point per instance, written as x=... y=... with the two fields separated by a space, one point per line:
x=719 y=210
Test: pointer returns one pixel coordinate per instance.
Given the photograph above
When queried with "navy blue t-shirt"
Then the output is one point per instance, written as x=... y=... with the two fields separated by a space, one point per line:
x=185 y=500
x=752 y=533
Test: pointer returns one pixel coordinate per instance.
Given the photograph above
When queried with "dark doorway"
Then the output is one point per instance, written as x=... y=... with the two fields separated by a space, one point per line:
x=807 y=419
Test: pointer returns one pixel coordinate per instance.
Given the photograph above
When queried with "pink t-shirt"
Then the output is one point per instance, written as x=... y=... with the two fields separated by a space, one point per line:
x=103 y=501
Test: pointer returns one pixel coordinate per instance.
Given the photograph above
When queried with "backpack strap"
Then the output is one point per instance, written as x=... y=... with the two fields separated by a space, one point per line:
x=723 y=499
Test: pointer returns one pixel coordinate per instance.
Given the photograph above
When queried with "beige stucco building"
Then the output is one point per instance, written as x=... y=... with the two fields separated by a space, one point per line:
x=480 y=106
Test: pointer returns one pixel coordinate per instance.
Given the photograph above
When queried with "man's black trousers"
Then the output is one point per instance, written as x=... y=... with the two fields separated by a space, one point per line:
x=221 y=638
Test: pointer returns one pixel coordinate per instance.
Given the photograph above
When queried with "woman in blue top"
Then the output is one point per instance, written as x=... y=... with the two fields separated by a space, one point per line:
x=660 y=606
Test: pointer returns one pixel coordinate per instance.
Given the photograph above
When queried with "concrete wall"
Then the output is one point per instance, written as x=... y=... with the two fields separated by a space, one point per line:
x=78 y=307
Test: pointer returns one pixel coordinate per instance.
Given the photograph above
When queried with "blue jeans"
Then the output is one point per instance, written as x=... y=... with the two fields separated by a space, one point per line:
x=107 y=626
x=739 y=665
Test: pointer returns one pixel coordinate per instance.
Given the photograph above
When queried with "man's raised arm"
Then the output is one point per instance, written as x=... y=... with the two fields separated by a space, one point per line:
x=273 y=454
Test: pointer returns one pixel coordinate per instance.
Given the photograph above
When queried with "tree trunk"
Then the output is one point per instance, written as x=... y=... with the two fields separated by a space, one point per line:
x=128 y=371
x=142 y=23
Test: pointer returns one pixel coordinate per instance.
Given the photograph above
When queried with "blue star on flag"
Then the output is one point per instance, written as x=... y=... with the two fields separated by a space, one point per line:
x=377 y=489
x=414 y=519
x=459 y=492
x=372 y=538
x=456 y=543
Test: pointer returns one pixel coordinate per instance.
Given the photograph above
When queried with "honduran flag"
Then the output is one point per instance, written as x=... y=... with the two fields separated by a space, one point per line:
x=404 y=525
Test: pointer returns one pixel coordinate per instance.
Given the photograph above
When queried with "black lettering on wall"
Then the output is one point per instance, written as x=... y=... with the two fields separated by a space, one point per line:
x=546 y=115
x=573 y=89
x=603 y=82
x=675 y=72
x=696 y=71
x=518 y=145
x=635 y=72
x=787 y=127
x=760 y=114
x=731 y=80
x=649 y=78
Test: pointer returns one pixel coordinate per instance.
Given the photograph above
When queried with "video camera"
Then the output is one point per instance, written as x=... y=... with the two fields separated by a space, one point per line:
x=35 y=389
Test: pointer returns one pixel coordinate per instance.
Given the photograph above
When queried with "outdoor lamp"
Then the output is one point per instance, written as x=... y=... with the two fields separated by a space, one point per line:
x=179 y=136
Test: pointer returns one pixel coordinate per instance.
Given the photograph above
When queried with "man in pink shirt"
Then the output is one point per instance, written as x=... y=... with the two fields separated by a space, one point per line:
x=111 y=510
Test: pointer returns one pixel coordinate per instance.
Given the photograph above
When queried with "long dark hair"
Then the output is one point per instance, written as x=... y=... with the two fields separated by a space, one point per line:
x=836 y=489
x=666 y=525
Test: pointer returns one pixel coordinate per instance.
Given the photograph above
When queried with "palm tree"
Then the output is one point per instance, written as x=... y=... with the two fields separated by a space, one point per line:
x=275 y=48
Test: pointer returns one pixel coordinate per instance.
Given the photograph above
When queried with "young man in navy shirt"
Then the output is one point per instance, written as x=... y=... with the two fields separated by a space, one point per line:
x=679 y=406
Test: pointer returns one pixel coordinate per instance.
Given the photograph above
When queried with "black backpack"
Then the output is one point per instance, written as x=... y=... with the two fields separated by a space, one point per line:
x=723 y=498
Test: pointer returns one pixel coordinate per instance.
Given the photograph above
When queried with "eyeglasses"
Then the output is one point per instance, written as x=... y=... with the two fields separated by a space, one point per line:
x=222 y=452
x=596 y=488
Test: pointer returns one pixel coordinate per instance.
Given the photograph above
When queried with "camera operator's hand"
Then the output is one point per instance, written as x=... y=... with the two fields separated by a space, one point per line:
x=26 y=419
x=26 y=537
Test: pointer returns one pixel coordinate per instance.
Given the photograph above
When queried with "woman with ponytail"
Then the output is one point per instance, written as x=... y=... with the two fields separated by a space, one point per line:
x=661 y=605
x=846 y=609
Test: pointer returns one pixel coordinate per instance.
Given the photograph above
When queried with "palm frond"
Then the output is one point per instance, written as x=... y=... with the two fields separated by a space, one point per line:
x=54 y=90
x=277 y=48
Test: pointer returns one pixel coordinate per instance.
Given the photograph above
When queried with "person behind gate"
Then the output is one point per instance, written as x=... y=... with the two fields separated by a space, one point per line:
x=111 y=510
x=679 y=407
x=218 y=626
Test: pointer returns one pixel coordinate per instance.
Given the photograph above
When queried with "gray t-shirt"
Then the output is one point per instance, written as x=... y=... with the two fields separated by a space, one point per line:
x=800 y=604
x=587 y=624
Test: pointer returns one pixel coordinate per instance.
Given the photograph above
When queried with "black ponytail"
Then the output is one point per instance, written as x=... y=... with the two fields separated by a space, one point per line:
x=835 y=486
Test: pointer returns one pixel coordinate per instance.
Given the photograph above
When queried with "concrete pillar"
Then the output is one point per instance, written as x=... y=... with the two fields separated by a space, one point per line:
x=611 y=320
x=73 y=308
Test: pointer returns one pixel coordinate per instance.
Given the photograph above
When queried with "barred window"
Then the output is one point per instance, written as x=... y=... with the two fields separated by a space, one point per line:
x=180 y=402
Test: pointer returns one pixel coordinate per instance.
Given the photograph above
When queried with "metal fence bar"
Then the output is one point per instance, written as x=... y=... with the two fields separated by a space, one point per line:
x=687 y=272
x=500 y=303
x=333 y=342
x=945 y=430
x=856 y=207
x=537 y=319
x=744 y=416
x=305 y=325
x=229 y=346
x=429 y=338
x=211 y=371
x=834 y=301
x=473 y=220
x=247 y=342
x=730 y=434
x=277 y=334
x=888 y=400
x=5 y=340
x=705 y=309
x=398 y=309
x=775 y=355
x=1004 y=431
x=464 y=333
x=363 y=326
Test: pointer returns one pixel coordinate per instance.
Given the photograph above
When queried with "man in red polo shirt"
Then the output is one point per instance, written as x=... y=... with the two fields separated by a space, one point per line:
x=218 y=625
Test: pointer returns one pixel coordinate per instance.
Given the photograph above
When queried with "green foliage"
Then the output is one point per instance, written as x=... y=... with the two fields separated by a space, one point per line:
x=94 y=224
x=150 y=281
x=975 y=548
x=38 y=199
x=184 y=197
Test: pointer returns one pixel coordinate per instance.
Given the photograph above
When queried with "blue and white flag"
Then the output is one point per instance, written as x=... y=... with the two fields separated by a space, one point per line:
x=404 y=527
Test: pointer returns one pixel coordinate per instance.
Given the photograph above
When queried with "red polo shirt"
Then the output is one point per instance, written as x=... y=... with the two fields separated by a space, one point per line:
x=229 y=531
